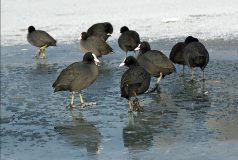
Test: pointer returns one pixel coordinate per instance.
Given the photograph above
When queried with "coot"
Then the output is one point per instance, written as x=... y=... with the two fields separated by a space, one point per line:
x=129 y=40
x=134 y=81
x=195 y=55
x=94 y=44
x=78 y=76
x=40 y=39
x=155 y=62
x=102 y=30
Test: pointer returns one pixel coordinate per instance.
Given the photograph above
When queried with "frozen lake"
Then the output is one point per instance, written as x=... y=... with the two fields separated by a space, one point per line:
x=156 y=19
x=183 y=121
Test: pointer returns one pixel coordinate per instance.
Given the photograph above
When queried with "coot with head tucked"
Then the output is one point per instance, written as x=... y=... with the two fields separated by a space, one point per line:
x=129 y=40
x=195 y=55
x=102 y=30
x=94 y=44
x=176 y=54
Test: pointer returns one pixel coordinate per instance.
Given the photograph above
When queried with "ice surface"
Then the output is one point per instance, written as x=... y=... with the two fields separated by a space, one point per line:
x=156 y=19
x=183 y=121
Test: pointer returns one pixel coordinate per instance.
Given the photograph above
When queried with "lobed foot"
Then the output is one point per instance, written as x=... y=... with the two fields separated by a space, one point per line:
x=153 y=89
x=71 y=106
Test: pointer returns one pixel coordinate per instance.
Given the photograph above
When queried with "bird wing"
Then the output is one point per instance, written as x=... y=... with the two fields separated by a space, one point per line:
x=96 y=30
x=101 y=45
x=67 y=75
x=158 y=59
x=43 y=37
x=133 y=76
x=177 y=51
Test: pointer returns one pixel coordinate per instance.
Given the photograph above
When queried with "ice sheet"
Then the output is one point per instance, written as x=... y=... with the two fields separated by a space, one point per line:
x=154 y=19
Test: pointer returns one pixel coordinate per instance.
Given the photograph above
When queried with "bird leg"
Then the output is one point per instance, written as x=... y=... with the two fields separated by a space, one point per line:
x=44 y=47
x=192 y=77
x=183 y=69
x=136 y=103
x=37 y=54
x=203 y=77
x=158 y=80
x=181 y=75
x=43 y=54
x=130 y=105
x=81 y=99
x=71 y=105
x=157 y=84
x=42 y=50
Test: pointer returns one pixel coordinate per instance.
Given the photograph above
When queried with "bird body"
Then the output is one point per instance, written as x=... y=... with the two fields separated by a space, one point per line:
x=135 y=81
x=155 y=62
x=70 y=78
x=40 y=39
x=195 y=55
x=128 y=40
x=176 y=54
x=77 y=76
x=101 y=30
x=95 y=45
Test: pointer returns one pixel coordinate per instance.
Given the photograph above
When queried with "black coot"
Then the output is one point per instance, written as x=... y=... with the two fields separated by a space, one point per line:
x=40 y=39
x=77 y=76
x=102 y=30
x=195 y=55
x=94 y=44
x=176 y=54
x=155 y=62
x=129 y=40
x=135 y=81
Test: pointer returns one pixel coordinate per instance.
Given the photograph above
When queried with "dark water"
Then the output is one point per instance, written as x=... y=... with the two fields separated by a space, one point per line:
x=185 y=120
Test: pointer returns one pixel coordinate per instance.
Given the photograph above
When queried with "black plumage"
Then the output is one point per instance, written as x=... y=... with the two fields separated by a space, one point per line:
x=134 y=81
x=77 y=76
x=129 y=40
x=40 y=39
x=101 y=30
x=94 y=44
x=176 y=54
x=195 y=55
x=155 y=62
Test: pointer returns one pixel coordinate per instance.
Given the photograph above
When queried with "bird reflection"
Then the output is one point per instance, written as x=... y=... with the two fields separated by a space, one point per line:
x=41 y=67
x=137 y=135
x=82 y=134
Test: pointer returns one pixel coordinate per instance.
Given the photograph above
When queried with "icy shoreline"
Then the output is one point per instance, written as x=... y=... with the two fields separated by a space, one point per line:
x=155 y=19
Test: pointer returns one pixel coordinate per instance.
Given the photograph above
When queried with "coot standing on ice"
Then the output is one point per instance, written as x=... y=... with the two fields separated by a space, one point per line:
x=78 y=76
x=129 y=40
x=40 y=39
x=155 y=62
x=135 y=81
x=195 y=55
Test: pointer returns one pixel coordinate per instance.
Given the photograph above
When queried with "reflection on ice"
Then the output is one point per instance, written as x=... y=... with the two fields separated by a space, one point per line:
x=81 y=133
